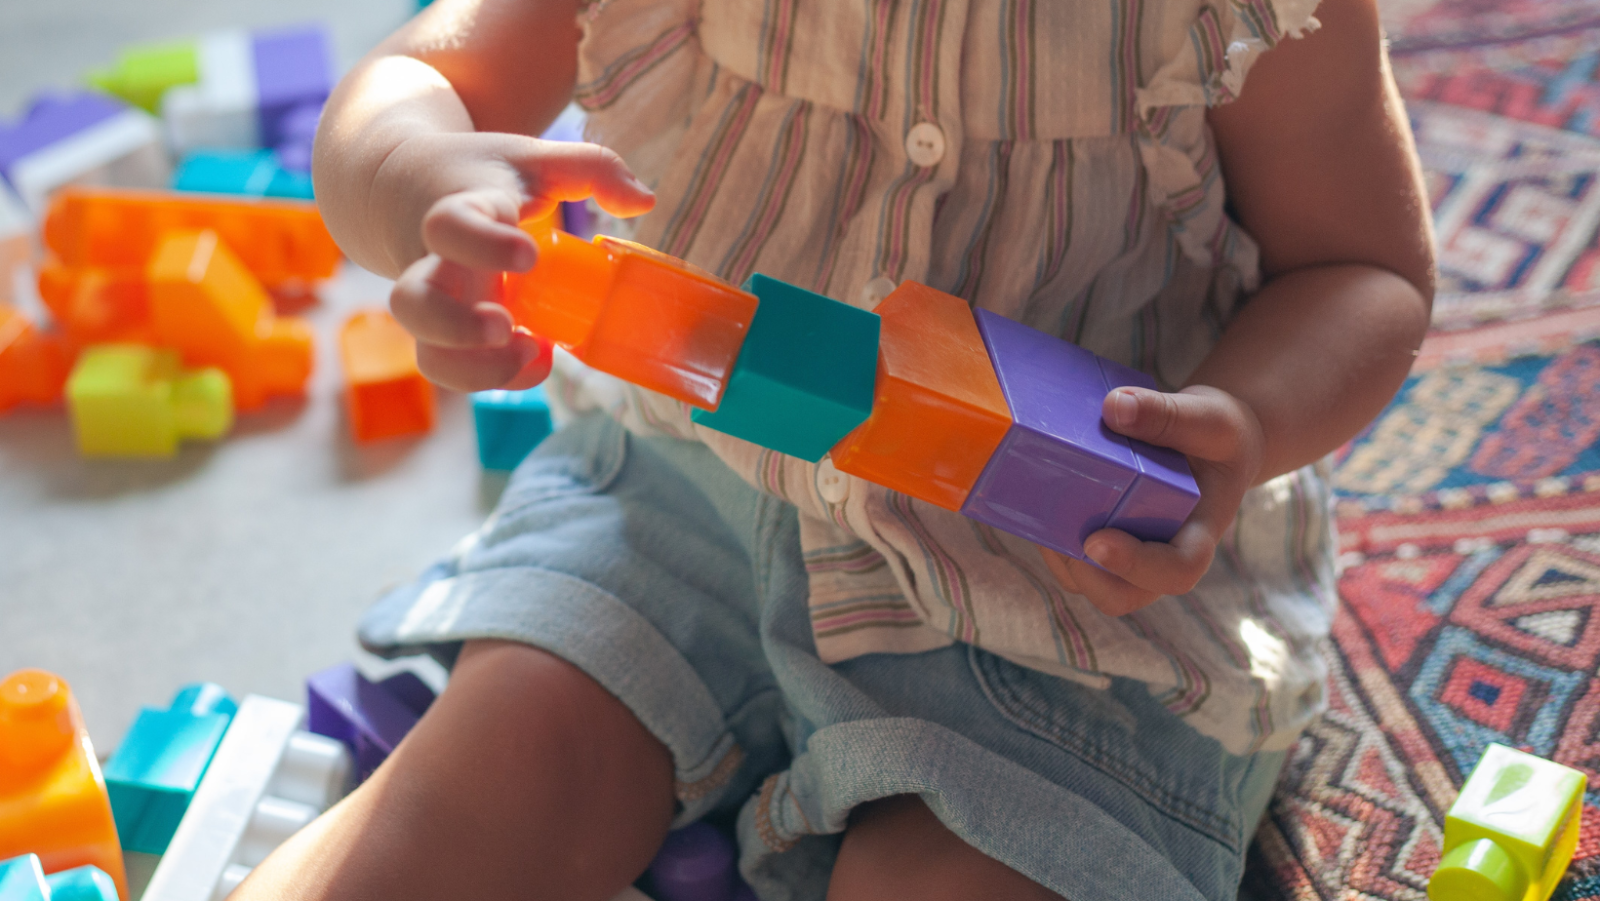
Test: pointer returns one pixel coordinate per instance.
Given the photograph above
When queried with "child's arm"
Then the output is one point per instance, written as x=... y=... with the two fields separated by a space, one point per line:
x=1321 y=171
x=425 y=163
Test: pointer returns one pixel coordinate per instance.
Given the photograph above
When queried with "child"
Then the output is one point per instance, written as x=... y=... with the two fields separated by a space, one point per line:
x=662 y=622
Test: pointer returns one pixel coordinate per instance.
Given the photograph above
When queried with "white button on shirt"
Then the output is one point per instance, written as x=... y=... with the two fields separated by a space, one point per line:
x=925 y=144
x=833 y=485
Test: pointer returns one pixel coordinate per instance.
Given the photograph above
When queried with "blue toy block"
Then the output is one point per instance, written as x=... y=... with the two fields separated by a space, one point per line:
x=804 y=378
x=509 y=425
x=81 y=884
x=154 y=773
x=343 y=705
x=22 y=879
x=251 y=173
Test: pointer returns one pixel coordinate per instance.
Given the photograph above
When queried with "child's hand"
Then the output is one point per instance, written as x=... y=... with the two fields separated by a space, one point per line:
x=1224 y=443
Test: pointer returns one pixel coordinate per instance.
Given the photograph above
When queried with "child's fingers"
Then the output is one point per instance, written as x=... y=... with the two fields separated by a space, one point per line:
x=1199 y=421
x=559 y=170
x=478 y=229
x=447 y=305
x=522 y=363
x=1111 y=594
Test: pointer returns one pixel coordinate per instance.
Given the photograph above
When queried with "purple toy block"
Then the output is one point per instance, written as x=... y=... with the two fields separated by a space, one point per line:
x=1059 y=472
x=370 y=721
x=695 y=863
x=49 y=119
x=745 y=893
x=293 y=67
x=1158 y=503
x=409 y=689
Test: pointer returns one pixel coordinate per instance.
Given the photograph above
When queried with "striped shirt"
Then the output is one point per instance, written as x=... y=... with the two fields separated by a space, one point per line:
x=1048 y=160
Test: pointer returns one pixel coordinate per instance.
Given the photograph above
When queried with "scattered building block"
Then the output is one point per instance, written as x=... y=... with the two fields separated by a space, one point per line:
x=84 y=137
x=249 y=87
x=805 y=375
x=279 y=241
x=207 y=305
x=81 y=884
x=16 y=240
x=938 y=412
x=52 y=799
x=294 y=75
x=33 y=363
x=369 y=719
x=22 y=879
x=97 y=306
x=1511 y=832
x=386 y=393
x=251 y=173
x=267 y=780
x=142 y=74
x=129 y=400
x=409 y=689
x=695 y=863
x=1159 y=501
x=509 y=425
x=155 y=771
x=637 y=314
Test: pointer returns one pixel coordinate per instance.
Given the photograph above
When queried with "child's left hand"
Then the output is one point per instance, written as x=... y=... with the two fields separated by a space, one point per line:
x=1224 y=442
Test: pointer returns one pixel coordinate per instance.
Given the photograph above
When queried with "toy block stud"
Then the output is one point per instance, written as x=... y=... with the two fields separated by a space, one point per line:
x=938 y=412
x=97 y=306
x=695 y=863
x=365 y=717
x=128 y=400
x=52 y=798
x=387 y=394
x=81 y=884
x=22 y=879
x=1511 y=832
x=630 y=311
x=509 y=425
x=83 y=136
x=158 y=766
x=1161 y=498
x=805 y=376
x=33 y=364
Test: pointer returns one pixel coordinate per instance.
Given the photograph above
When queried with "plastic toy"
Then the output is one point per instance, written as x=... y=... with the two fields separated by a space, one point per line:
x=250 y=88
x=205 y=303
x=279 y=241
x=23 y=879
x=16 y=240
x=97 y=306
x=938 y=412
x=695 y=863
x=369 y=719
x=142 y=74
x=386 y=393
x=155 y=771
x=509 y=425
x=52 y=799
x=1511 y=832
x=267 y=780
x=251 y=173
x=33 y=363
x=81 y=137
x=129 y=400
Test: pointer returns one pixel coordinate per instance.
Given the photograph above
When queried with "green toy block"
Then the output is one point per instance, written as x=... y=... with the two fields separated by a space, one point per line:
x=128 y=400
x=805 y=375
x=86 y=883
x=155 y=771
x=1511 y=833
x=142 y=74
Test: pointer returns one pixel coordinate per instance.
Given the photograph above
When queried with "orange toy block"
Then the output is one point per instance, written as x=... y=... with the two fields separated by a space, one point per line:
x=97 y=306
x=938 y=412
x=53 y=799
x=387 y=394
x=207 y=305
x=33 y=364
x=637 y=314
x=280 y=242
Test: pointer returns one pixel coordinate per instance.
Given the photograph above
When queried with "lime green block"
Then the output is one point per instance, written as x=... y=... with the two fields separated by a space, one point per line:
x=128 y=400
x=1512 y=830
x=142 y=74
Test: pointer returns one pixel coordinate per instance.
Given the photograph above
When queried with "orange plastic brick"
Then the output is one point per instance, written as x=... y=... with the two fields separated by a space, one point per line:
x=938 y=412
x=52 y=798
x=278 y=241
x=208 y=306
x=386 y=392
x=33 y=364
x=95 y=306
x=640 y=315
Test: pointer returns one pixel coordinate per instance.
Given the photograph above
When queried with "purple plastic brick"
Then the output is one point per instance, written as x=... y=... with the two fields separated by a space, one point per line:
x=1165 y=492
x=409 y=689
x=49 y=119
x=293 y=67
x=745 y=893
x=370 y=721
x=1059 y=472
x=695 y=863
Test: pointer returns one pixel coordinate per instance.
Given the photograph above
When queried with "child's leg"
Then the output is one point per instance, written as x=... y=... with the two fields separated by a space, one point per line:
x=525 y=780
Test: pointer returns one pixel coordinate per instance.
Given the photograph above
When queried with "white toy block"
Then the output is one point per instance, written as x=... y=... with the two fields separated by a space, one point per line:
x=125 y=149
x=218 y=111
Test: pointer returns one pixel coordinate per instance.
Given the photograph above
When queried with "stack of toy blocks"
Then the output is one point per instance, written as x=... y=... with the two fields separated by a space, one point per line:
x=368 y=718
x=509 y=424
x=386 y=395
x=157 y=768
x=82 y=137
x=23 y=879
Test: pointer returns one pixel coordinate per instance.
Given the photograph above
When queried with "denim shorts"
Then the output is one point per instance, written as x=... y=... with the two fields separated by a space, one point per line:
x=652 y=567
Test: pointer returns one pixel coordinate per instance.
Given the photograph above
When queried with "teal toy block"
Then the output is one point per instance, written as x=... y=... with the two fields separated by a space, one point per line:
x=81 y=884
x=509 y=425
x=804 y=378
x=251 y=173
x=22 y=879
x=154 y=773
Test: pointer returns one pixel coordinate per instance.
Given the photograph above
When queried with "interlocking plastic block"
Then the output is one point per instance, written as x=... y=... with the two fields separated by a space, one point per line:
x=97 y=306
x=386 y=393
x=695 y=863
x=409 y=689
x=81 y=884
x=293 y=70
x=52 y=798
x=938 y=412
x=129 y=400
x=142 y=74
x=1158 y=502
x=218 y=109
x=1512 y=831
x=83 y=137
x=22 y=879
x=637 y=314
x=267 y=780
x=16 y=240
x=158 y=766
x=366 y=717
x=280 y=241
x=205 y=303
x=250 y=173
x=805 y=376
x=33 y=363
x=509 y=425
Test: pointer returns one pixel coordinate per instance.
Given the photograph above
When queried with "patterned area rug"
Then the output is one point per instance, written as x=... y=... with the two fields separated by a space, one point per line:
x=1469 y=513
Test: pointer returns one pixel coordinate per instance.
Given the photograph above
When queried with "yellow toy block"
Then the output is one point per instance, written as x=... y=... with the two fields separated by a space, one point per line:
x=1512 y=830
x=128 y=400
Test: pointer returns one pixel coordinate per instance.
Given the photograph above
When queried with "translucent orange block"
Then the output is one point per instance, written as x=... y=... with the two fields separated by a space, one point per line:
x=278 y=241
x=386 y=392
x=938 y=412
x=33 y=364
x=637 y=314
x=207 y=305
x=96 y=306
x=53 y=799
